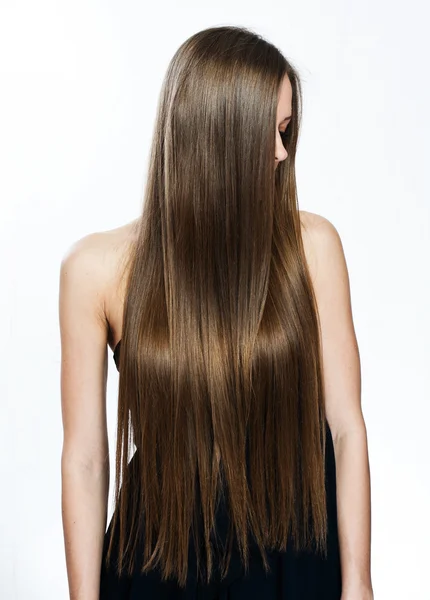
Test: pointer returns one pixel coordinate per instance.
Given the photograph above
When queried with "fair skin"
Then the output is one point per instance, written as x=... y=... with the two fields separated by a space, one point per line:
x=91 y=301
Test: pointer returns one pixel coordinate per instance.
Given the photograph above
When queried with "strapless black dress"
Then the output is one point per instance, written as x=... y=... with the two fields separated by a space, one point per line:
x=293 y=576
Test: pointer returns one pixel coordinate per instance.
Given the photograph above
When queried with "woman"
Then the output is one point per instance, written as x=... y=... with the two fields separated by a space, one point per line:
x=229 y=313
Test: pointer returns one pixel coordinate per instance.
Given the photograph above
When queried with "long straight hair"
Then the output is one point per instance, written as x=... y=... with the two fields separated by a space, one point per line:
x=220 y=385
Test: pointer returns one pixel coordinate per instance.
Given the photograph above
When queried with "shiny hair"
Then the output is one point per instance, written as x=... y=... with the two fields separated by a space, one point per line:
x=220 y=385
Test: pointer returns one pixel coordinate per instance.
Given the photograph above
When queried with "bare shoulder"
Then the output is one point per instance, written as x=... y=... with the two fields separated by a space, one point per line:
x=94 y=267
x=323 y=249
x=88 y=261
x=83 y=270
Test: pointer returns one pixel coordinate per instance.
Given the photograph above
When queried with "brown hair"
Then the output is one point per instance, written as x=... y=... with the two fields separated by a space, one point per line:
x=220 y=350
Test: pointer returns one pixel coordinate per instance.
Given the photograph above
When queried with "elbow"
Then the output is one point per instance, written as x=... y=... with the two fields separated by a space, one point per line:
x=88 y=460
x=354 y=426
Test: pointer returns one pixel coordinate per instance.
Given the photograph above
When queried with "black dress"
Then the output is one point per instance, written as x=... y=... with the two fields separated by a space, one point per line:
x=293 y=576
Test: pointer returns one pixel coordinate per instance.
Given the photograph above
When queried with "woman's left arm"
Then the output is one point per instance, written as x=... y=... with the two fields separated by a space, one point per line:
x=342 y=387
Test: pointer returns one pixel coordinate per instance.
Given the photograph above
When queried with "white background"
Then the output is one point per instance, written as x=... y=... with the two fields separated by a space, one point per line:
x=79 y=82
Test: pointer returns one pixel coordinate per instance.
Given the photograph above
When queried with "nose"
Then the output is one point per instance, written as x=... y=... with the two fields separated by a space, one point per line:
x=280 y=151
x=280 y=156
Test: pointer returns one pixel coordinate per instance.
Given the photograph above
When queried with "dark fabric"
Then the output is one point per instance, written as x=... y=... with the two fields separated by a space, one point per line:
x=292 y=576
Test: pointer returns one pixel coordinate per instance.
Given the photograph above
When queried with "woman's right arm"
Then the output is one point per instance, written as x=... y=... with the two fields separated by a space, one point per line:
x=85 y=453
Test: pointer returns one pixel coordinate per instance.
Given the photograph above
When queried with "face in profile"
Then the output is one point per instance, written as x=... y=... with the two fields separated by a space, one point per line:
x=283 y=118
